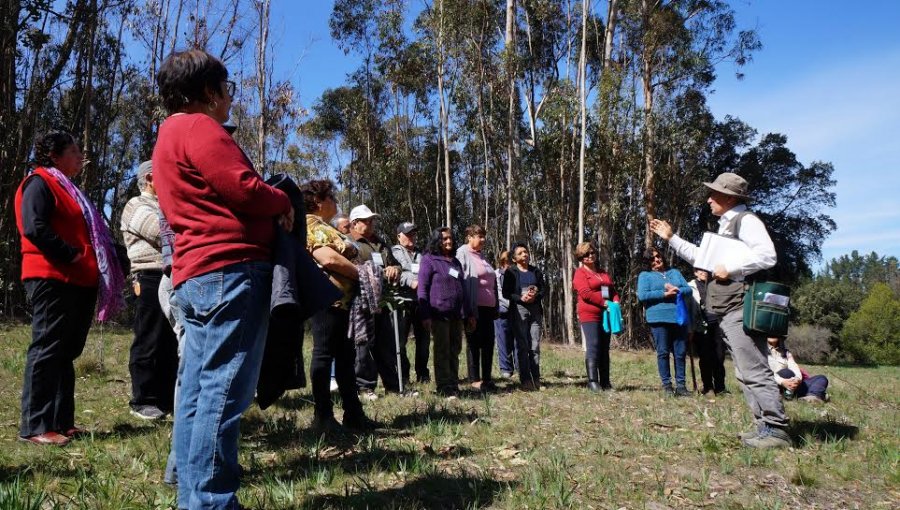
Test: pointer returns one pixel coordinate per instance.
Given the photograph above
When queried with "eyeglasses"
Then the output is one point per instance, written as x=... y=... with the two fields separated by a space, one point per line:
x=230 y=87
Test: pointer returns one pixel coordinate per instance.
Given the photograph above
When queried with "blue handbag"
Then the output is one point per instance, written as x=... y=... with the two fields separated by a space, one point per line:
x=682 y=314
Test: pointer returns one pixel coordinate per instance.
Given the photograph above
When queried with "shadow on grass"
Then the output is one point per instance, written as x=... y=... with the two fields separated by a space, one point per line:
x=294 y=400
x=824 y=431
x=429 y=414
x=432 y=491
x=123 y=431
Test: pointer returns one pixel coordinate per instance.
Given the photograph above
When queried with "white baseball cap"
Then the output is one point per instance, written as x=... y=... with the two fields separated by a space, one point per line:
x=361 y=212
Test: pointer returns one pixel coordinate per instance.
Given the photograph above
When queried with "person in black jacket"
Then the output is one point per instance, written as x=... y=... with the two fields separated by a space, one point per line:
x=523 y=286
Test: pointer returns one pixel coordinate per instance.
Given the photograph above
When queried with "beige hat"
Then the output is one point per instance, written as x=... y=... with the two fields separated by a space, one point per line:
x=729 y=184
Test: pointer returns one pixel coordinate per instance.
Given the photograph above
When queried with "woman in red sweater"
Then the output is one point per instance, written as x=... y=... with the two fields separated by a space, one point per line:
x=594 y=287
x=224 y=219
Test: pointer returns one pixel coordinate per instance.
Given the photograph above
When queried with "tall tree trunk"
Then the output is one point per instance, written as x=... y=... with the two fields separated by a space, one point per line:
x=262 y=45
x=649 y=144
x=582 y=73
x=512 y=149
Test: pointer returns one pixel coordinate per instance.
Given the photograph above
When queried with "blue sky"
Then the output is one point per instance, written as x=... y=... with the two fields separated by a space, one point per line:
x=828 y=77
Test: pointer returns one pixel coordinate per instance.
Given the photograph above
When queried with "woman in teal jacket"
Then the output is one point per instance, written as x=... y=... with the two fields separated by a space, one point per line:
x=657 y=290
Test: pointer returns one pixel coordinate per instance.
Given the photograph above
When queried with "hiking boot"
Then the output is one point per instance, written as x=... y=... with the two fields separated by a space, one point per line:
x=750 y=433
x=681 y=391
x=769 y=437
x=666 y=390
x=149 y=413
x=812 y=399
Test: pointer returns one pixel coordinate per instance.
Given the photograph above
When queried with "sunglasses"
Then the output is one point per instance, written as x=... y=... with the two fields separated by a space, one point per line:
x=230 y=87
x=589 y=254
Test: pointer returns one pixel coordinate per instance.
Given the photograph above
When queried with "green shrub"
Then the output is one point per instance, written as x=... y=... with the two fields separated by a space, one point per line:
x=872 y=333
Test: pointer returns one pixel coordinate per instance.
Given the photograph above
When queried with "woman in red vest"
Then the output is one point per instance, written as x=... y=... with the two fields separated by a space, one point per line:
x=67 y=257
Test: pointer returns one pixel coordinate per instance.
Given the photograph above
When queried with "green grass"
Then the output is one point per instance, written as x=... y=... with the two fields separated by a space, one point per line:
x=562 y=447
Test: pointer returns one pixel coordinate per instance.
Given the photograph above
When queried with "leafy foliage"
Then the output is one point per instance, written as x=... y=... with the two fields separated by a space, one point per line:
x=872 y=333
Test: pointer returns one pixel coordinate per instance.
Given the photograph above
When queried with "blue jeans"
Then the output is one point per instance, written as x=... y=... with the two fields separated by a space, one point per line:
x=506 y=344
x=669 y=338
x=226 y=316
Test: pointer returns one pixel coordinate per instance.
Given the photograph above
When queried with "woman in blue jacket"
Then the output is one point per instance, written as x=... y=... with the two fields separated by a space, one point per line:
x=657 y=290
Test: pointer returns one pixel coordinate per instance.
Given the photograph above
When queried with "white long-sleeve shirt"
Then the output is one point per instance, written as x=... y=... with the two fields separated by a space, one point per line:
x=761 y=254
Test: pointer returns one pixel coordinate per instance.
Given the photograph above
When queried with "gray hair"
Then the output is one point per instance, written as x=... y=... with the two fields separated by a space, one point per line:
x=337 y=218
x=143 y=171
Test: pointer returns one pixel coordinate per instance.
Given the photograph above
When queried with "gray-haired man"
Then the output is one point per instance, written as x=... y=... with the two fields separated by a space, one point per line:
x=725 y=294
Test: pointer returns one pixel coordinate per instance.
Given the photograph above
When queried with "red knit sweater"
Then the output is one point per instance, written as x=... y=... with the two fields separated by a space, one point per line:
x=589 y=287
x=218 y=206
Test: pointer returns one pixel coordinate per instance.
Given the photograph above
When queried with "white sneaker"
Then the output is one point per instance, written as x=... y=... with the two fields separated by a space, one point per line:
x=334 y=386
x=368 y=395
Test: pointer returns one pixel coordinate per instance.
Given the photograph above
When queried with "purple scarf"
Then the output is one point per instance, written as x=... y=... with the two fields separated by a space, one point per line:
x=112 y=281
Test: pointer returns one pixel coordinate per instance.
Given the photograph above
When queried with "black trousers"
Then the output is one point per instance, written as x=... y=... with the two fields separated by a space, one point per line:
x=480 y=346
x=61 y=318
x=378 y=356
x=711 y=351
x=331 y=344
x=409 y=319
x=153 y=362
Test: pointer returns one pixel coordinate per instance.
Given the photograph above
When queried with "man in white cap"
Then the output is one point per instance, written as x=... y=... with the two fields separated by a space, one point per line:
x=153 y=361
x=378 y=356
x=725 y=295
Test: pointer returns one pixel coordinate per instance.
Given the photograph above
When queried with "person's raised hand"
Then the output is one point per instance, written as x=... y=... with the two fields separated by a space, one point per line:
x=661 y=228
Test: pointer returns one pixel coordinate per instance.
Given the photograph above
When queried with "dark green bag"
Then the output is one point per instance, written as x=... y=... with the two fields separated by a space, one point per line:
x=767 y=308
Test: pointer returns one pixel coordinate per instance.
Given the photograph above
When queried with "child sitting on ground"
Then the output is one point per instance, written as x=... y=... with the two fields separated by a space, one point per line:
x=792 y=380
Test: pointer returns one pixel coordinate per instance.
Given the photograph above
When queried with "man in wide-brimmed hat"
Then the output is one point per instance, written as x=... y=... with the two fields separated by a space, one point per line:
x=725 y=294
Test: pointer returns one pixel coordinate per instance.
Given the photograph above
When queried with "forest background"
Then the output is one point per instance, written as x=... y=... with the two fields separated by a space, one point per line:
x=547 y=121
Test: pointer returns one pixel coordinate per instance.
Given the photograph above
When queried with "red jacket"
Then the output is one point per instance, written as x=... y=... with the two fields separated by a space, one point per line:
x=589 y=287
x=69 y=224
x=220 y=209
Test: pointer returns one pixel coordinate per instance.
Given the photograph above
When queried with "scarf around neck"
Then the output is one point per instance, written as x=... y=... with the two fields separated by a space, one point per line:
x=110 y=300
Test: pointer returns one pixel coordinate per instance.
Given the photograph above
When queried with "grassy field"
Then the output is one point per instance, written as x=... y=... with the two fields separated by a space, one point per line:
x=562 y=447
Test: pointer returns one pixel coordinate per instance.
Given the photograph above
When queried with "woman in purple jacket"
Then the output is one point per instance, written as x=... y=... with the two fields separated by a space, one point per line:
x=442 y=308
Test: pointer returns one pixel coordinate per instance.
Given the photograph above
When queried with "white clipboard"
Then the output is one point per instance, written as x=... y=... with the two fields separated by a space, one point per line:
x=721 y=250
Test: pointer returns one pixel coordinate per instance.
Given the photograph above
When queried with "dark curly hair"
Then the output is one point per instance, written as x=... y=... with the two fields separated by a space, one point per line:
x=185 y=77
x=51 y=144
x=315 y=192
x=435 y=245
x=648 y=256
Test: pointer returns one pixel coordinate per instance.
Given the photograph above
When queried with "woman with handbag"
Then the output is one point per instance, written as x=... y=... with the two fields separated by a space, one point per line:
x=594 y=288
x=657 y=290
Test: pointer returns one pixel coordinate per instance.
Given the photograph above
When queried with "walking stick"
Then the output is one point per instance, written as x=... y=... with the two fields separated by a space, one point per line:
x=397 y=345
x=691 y=355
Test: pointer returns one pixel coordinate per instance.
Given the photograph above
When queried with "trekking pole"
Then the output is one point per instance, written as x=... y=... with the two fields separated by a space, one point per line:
x=397 y=345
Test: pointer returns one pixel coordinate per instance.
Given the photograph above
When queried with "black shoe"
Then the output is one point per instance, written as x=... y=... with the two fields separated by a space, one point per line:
x=327 y=425
x=666 y=390
x=723 y=391
x=705 y=390
x=681 y=391
x=361 y=424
